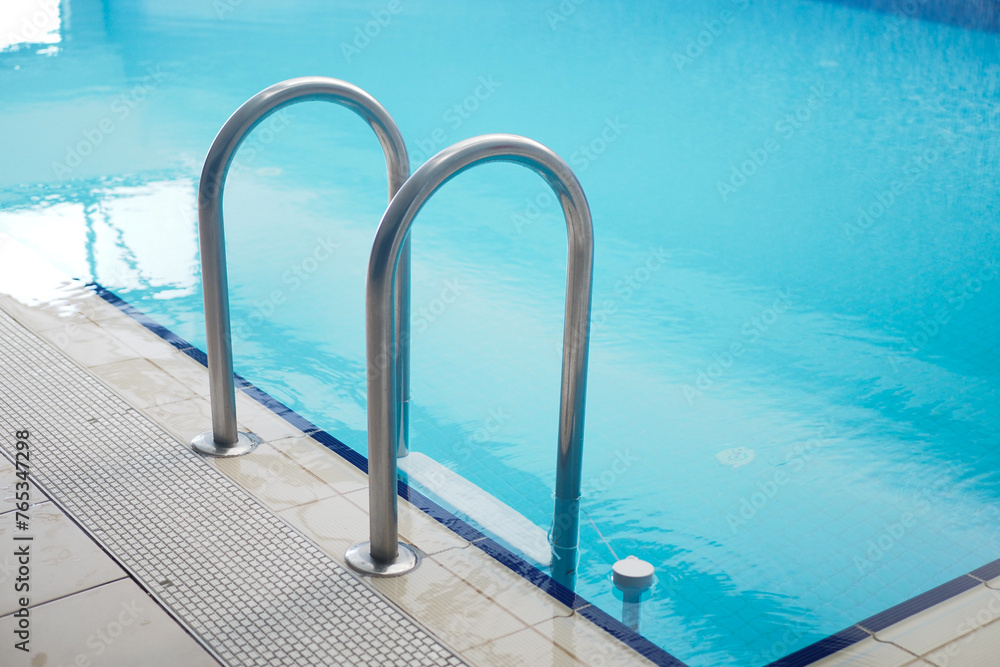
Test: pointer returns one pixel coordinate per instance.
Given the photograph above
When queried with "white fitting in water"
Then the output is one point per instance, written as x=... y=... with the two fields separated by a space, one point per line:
x=633 y=577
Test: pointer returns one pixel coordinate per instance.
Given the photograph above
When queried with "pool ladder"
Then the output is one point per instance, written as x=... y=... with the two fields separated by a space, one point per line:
x=387 y=311
x=224 y=439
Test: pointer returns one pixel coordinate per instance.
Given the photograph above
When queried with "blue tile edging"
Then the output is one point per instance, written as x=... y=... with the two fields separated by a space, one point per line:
x=512 y=561
x=891 y=616
x=801 y=658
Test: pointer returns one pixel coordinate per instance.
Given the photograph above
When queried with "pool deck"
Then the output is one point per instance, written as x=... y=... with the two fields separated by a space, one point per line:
x=962 y=631
x=149 y=554
x=240 y=560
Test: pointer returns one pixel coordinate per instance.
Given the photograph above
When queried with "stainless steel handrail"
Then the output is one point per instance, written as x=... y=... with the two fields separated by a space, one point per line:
x=224 y=439
x=384 y=555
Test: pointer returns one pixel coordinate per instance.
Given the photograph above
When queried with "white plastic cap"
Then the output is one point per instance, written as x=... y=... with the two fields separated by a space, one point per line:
x=632 y=574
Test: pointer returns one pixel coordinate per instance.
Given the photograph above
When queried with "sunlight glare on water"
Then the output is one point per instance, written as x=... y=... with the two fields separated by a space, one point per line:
x=794 y=371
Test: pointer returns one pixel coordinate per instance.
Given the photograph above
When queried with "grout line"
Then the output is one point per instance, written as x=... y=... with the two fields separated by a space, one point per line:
x=886 y=641
x=512 y=612
x=455 y=548
x=124 y=577
x=14 y=509
x=529 y=628
x=901 y=648
x=129 y=574
x=307 y=471
x=964 y=638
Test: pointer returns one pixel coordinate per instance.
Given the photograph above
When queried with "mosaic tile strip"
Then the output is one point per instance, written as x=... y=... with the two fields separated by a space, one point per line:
x=253 y=589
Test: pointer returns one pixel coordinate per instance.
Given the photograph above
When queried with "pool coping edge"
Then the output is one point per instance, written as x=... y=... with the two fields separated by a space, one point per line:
x=803 y=657
x=457 y=525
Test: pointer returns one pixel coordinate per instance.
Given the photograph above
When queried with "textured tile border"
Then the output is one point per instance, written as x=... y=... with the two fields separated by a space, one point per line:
x=251 y=588
x=512 y=561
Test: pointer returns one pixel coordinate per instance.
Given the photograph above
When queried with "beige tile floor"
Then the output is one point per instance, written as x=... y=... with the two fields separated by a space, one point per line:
x=486 y=613
x=963 y=631
x=112 y=625
x=83 y=609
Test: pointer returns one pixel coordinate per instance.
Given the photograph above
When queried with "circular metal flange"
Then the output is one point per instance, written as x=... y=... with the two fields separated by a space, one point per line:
x=205 y=444
x=359 y=557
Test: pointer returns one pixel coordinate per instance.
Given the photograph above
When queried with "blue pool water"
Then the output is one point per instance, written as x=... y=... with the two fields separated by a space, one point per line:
x=792 y=408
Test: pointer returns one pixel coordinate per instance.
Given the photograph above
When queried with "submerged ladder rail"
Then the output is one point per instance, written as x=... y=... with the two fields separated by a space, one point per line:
x=384 y=555
x=224 y=439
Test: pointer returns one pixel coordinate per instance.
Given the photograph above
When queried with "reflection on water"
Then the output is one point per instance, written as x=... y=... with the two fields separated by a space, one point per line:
x=26 y=24
x=140 y=236
x=793 y=387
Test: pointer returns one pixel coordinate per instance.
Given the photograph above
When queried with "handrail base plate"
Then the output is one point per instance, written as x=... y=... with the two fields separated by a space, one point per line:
x=359 y=557
x=205 y=444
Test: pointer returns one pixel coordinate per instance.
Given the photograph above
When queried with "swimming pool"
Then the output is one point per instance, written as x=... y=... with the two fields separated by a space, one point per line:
x=793 y=384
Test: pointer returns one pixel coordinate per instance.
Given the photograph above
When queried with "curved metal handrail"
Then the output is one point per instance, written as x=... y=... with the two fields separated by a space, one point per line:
x=384 y=555
x=224 y=439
